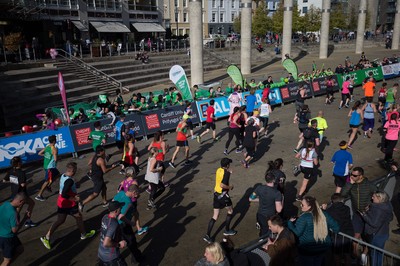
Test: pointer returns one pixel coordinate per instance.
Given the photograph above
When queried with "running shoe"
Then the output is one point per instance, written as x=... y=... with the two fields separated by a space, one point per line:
x=346 y=105
x=122 y=172
x=193 y=137
x=105 y=205
x=166 y=184
x=230 y=232
x=258 y=227
x=80 y=207
x=226 y=152
x=349 y=147
x=151 y=203
x=172 y=165
x=46 y=242
x=40 y=198
x=198 y=139
x=88 y=234
x=246 y=165
x=364 y=259
x=29 y=223
x=296 y=150
x=208 y=239
x=299 y=198
x=143 y=230
x=238 y=151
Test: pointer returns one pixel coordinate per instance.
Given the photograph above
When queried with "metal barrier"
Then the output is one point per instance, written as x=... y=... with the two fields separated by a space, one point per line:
x=111 y=82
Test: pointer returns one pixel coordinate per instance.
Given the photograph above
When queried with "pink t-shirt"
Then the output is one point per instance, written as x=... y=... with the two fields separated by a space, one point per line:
x=345 y=87
x=392 y=128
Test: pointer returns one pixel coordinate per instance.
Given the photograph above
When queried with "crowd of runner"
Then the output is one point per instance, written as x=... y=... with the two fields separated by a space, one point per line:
x=372 y=210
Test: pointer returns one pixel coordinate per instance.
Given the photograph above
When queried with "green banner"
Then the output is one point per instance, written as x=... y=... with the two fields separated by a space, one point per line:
x=360 y=75
x=290 y=67
x=235 y=74
x=178 y=76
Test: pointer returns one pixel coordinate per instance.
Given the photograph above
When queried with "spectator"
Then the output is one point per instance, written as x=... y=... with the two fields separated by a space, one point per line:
x=312 y=228
x=377 y=218
x=213 y=255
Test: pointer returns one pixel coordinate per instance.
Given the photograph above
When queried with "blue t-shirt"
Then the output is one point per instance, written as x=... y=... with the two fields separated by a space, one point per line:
x=355 y=118
x=8 y=220
x=250 y=103
x=342 y=159
x=127 y=209
x=118 y=130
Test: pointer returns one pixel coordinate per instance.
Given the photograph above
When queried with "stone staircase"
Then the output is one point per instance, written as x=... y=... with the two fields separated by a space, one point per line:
x=29 y=89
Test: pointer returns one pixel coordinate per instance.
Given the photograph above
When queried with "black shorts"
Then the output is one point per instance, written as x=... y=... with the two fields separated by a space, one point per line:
x=354 y=126
x=221 y=201
x=69 y=211
x=210 y=125
x=340 y=181
x=115 y=262
x=99 y=186
x=189 y=124
x=161 y=164
x=8 y=245
x=182 y=143
x=358 y=223
x=264 y=120
x=329 y=91
x=120 y=144
x=308 y=172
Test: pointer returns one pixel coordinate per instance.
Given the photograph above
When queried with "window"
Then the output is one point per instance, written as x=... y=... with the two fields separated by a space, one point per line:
x=305 y=1
x=176 y=3
x=233 y=15
x=185 y=17
x=221 y=3
x=305 y=9
x=184 y=3
x=213 y=15
x=214 y=3
x=221 y=17
x=233 y=4
x=188 y=32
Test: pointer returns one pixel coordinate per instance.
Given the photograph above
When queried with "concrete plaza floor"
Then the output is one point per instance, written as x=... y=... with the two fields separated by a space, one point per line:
x=183 y=211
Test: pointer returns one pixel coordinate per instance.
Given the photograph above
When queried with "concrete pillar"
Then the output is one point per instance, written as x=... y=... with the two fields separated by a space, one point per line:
x=396 y=29
x=245 y=37
x=373 y=14
x=287 y=28
x=196 y=42
x=362 y=14
x=324 y=38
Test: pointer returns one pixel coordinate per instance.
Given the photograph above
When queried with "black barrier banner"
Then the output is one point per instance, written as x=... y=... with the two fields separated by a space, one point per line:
x=166 y=119
x=290 y=90
x=80 y=132
x=319 y=85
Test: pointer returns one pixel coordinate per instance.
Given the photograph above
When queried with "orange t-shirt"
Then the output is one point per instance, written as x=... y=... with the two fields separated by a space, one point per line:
x=369 y=89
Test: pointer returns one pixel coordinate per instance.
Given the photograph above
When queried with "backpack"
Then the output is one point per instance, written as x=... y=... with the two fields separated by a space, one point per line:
x=303 y=118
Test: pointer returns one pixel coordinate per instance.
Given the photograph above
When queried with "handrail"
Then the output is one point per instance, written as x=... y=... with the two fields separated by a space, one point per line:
x=224 y=61
x=91 y=69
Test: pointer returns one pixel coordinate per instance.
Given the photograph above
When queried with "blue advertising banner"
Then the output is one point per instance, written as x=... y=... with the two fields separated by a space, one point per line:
x=391 y=71
x=221 y=104
x=28 y=145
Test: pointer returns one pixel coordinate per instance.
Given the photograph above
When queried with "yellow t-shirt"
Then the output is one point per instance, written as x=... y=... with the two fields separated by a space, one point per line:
x=321 y=124
x=221 y=176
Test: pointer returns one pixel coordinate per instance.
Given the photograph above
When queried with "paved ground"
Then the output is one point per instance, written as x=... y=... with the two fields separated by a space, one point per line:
x=179 y=223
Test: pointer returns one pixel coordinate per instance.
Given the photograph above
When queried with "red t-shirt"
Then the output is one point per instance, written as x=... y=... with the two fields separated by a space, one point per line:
x=181 y=136
x=210 y=111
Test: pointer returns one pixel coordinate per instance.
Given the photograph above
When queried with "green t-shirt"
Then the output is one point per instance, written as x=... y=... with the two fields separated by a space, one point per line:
x=49 y=161
x=229 y=90
x=8 y=220
x=122 y=197
x=97 y=136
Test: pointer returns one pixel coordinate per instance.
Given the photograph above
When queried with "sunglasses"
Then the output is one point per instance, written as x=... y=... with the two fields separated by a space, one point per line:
x=355 y=175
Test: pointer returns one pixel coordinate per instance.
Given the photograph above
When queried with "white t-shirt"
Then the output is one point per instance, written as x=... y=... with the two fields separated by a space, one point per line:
x=308 y=161
x=264 y=110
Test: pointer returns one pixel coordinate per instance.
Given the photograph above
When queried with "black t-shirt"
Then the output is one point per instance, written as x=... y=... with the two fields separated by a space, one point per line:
x=97 y=172
x=16 y=177
x=109 y=228
x=248 y=140
x=311 y=135
x=267 y=197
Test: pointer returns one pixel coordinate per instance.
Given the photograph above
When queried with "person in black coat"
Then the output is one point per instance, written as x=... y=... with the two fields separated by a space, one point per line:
x=341 y=213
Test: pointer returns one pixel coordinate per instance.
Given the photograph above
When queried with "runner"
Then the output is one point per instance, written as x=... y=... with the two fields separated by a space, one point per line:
x=234 y=130
x=221 y=199
x=391 y=131
x=120 y=133
x=234 y=100
x=369 y=88
x=67 y=204
x=249 y=142
x=382 y=95
x=251 y=102
x=130 y=179
x=189 y=112
x=391 y=95
x=125 y=221
x=322 y=125
x=153 y=177
x=369 y=110
x=356 y=116
x=343 y=162
x=10 y=244
x=345 y=93
x=309 y=161
x=210 y=123
x=329 y=90
x=50 y=154
x=300 y=98
x=99 y=168
x=275 y=167
x=111 y=237
x=96 y=137
x=181 y=141
x=17 y=178
x=159 y=143
x=265 y=111
x=129 y=155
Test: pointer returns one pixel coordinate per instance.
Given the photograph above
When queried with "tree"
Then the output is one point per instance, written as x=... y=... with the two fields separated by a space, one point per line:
x=261 y=22
x=352 y=20
x=237 y=23
x=337 y=18
x=277 y=19
x=12 y=41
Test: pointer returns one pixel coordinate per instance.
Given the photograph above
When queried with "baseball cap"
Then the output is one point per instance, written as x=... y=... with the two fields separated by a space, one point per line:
x=225 y=162
x=115 y=205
